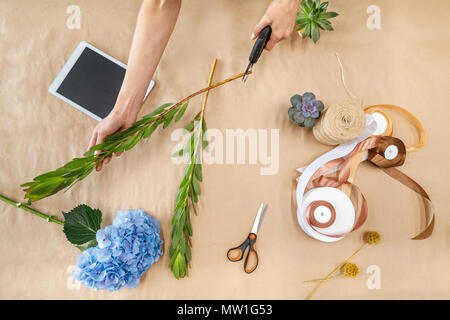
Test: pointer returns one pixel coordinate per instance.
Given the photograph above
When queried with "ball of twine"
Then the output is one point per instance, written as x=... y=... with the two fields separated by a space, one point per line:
x=340 y=123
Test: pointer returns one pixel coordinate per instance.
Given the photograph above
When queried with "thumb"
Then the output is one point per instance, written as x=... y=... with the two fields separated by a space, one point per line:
x=258 y=28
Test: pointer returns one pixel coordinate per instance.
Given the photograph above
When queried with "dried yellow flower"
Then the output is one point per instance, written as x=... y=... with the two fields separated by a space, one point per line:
x=350 y=270
x=373 y=237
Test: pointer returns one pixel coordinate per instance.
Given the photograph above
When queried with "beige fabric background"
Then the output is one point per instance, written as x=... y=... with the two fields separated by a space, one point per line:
x=405 y=63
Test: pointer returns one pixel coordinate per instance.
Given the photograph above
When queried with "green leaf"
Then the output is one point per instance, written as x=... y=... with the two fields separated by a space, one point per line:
x=52 y=174
x=68 y=182
x=198 y=171
x=131 y=142
x=157 y=111
x=327 y=15
x=119 y=135
x=168 y=117
x=149 y=131
x=324 y=6
x=190 y=126
x=305 y=7
x=301 y=20
x=87 y=172
x=292 y=112
x=193 y=195
x=76 y=163
x=296 y=99
x=89 y=153
x=75 y=173
x=28 y=184
x=306 y=31
x=87 y=245
x=178 y=153
x=320 y=106
x=309 y=122
x=81 y=225
x=179 y=266
x=315 y=33
x=205 y=145
x=98 y=146
x=188 y=225
x=188 y=254
x=181 y=195
x=325 y=25
x=182 y=111
x=47 y=187
x=195 y=186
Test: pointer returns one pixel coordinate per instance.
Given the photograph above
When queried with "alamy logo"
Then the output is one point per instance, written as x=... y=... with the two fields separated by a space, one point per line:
x=237 y=146
x=374 y=20
x=374 y=280
x=71 y=283
x=73 y=22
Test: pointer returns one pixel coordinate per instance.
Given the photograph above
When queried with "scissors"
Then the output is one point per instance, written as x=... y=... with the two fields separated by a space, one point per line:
x=236 y=254
x=258 y=48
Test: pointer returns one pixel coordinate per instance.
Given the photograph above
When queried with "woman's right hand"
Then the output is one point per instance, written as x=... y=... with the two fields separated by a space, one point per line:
x=115 y=121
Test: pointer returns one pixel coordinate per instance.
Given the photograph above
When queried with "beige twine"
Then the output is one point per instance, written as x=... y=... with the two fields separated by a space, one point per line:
x=343 y=121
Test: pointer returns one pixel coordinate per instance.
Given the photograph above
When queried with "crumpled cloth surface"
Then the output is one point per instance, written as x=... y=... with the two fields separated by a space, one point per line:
x=405 y=63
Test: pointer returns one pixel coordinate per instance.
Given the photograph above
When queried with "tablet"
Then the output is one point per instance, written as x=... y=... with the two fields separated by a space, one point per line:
x=90 y=81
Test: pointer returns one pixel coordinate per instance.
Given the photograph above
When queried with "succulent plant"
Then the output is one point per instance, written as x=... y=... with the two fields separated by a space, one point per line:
x=305 y=110
x=313 y=17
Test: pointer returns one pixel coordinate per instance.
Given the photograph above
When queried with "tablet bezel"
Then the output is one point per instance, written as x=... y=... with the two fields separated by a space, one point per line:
x=68 y=67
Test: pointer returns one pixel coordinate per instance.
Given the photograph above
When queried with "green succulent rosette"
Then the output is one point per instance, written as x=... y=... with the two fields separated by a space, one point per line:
x=306 y=109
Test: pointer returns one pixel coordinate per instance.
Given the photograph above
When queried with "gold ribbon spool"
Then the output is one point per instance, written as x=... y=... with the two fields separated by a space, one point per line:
x=389 y=131
x=340 y=123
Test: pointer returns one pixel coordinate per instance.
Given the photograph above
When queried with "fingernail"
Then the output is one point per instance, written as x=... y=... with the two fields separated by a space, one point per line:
x=252 y=36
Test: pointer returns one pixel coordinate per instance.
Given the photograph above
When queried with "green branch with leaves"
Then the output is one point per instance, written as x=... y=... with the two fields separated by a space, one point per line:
x=188 y=191
x=76 y=170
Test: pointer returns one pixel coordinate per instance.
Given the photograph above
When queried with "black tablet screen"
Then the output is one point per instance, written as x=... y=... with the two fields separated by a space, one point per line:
x=93 y=83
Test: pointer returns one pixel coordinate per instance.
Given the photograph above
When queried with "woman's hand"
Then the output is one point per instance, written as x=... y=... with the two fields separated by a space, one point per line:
x=115 y=121
x=281 y=17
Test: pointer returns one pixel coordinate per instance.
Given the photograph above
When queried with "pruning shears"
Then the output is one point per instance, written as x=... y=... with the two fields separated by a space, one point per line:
x=237 y=253
x=260 y=44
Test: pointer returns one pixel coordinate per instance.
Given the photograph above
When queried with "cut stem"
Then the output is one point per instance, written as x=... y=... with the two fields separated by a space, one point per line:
x=210 y=87
x=31 y=210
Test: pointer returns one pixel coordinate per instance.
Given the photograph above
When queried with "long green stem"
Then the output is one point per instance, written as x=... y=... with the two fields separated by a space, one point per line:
x=180 y=252
x=31 y=210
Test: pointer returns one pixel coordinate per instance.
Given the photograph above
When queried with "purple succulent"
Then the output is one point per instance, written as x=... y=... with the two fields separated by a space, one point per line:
x=305 y=110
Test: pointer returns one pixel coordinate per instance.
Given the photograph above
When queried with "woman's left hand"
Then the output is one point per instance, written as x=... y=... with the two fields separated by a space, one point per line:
x=280 y=16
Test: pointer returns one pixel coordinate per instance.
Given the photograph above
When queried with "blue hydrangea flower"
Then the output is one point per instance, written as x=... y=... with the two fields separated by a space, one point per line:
x=305 y=110
x=125 y=251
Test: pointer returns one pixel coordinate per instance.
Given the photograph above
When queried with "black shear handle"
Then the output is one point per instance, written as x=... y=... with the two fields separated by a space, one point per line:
x=237 y=254
x=260 y=44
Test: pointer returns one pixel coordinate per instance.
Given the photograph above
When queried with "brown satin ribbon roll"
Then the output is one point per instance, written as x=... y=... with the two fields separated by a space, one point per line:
x=377 y=157
x=312 y=219
x=359 y=203
x=377 y=154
